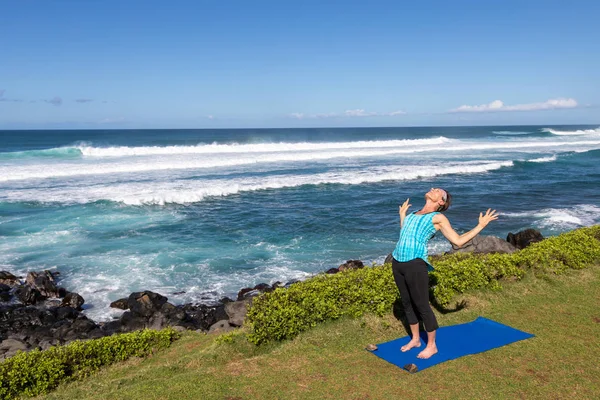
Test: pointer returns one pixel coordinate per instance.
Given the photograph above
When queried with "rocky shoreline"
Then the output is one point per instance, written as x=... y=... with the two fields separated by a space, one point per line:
x=36 y=313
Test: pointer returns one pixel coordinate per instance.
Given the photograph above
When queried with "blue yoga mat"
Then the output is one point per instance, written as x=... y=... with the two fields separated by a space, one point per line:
x=453 y=342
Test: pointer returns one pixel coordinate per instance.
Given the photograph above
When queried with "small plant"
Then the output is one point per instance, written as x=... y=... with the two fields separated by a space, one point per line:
x=36 y=372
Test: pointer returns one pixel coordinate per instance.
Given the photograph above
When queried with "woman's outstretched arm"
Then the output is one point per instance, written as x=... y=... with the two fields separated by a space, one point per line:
x=443 y=225
x=403 y=209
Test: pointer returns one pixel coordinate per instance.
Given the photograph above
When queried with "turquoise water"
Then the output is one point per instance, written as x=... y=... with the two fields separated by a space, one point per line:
x=210 y=211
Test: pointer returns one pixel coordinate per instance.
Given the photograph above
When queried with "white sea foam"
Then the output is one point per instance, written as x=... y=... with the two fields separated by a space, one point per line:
x=171 y=162
x=544 y=159
x=572 y=133
x=191 y=191
x=238 y=148
x=560 y=219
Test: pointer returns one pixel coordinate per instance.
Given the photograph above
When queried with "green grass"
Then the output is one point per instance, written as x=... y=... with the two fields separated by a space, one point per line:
x=329 y=361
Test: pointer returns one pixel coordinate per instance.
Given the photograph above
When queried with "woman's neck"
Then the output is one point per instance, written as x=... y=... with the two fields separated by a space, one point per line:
x=429 y=207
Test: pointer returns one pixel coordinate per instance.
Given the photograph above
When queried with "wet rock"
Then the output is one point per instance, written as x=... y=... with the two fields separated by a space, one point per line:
x=351 y=264
x=145 y=303
x=524 y=238
x=121 y=304
x=28 y=295
x=43 y=282
x=203 y=316
x=73 y=300
x=9 y=279
x=332 y=271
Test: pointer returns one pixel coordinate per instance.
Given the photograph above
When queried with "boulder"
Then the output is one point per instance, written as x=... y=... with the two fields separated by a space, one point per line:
x=237 y=310
x=73 y=300
x=202 y=316
x=484 y=245
x=28 y=295
x=351 y=264
x=10 y=347
x=9 y=279
x=132 y=322
x=219 y=327
x=524 y=238
x=5 y=292
x=43 y=282
x=246 y=293
x=145 y=303
x=332 y=271
x=121 y=304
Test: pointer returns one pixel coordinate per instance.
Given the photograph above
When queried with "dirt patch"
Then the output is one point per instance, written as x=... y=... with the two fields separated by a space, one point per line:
x=596 y=320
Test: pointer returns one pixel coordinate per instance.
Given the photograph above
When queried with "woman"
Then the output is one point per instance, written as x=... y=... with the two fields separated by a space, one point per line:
x=410 y=265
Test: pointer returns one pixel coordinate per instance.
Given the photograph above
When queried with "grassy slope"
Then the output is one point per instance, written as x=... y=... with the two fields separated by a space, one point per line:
x=329 y=362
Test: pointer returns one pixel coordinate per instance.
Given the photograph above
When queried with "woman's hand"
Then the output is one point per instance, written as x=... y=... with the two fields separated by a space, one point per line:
x=404 y=208
x=489 y=216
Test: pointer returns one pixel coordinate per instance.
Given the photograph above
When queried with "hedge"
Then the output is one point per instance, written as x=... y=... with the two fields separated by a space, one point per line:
x=285 y=312
x=36 y=372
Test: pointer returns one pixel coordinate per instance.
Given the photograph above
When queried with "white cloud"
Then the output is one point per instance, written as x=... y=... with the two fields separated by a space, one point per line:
x=359 y=112
x=210 y=117
x=498 y=105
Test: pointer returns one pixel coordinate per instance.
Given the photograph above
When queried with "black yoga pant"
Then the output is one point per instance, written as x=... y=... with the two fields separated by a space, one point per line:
x=412 y=280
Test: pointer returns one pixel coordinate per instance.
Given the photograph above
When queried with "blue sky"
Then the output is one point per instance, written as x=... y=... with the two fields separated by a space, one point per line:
x=211 y=64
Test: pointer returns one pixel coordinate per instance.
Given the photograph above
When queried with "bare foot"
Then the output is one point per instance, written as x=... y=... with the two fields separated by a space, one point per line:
x=410 y=345
x=427 y=352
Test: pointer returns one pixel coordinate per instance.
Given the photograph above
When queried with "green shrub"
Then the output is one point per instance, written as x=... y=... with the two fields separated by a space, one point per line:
x=36 y=372
x=459 y=273
x=284 y=313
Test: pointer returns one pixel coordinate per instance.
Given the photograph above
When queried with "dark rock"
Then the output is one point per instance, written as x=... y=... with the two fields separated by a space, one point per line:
x=290 y=283
x=73 y=300
x=111 y=327
x=351 y=264
x=225 y=300
x=219 y=327
x=82 y=325
x=203 y=316
x=43 y=282
x=524 y=238
x=5 y=292
x=243 y=291
x=237 y=311
x=145 y=303
x=176 y=293
x=121 y=304
x=62 y=292
x=263 y=287
x=484 y=245
x=66 y=312
x=389 y=259
x=132 y=322
x=250 y=294
x=28 y=295
x=332 y=271
x=9 y=279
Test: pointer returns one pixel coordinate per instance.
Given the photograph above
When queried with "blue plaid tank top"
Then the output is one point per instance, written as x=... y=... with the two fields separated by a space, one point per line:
x=414 y=235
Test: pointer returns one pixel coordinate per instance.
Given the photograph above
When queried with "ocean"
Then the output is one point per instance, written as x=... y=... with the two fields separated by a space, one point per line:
x=198 y=214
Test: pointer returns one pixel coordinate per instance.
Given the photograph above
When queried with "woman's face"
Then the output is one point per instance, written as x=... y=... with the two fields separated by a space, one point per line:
x=436 y=195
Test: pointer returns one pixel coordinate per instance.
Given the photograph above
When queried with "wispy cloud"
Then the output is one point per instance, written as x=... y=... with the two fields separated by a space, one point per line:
x=56 y=101
x=359 y=112
x=498 y=105
x=210 y=117
x=83 y=100
x=2 y=98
